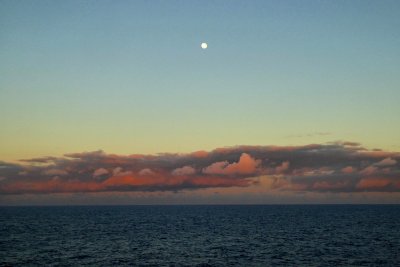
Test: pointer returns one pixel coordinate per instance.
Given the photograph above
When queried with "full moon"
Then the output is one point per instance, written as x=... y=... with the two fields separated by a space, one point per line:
x=204 y=45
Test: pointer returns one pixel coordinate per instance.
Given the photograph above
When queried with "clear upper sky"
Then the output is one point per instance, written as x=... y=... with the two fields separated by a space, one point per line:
x=130 y=76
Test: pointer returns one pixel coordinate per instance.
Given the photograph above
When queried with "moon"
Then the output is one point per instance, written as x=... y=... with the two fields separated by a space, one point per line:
x=204 y=45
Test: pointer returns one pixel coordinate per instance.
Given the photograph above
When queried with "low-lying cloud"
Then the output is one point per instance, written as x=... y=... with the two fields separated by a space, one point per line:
x=334 y=167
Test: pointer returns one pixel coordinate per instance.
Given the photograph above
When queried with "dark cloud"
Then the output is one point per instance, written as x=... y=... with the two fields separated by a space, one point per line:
x=332 y=167
x=40 y=160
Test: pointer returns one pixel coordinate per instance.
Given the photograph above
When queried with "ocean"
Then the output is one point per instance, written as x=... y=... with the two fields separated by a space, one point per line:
x=248 y=235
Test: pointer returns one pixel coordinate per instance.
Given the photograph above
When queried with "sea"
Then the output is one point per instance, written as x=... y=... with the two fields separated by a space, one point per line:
x=210 y=235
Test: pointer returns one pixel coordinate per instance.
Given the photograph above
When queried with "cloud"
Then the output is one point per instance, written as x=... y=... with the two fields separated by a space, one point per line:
x=348 y=170
x=386 y=162
x=337 y=167
x=369 y=170
x=186 y=170
x=40 y=160
x=283 y=167
x=373 y=183
x=145 y=172
x=99 y=172
x=325 y=185
x=245 y=165
x=346 y=143
x=200 y=154
x=54 y=172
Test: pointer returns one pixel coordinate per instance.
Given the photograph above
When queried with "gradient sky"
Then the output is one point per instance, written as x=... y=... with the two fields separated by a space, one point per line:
x=129 y=77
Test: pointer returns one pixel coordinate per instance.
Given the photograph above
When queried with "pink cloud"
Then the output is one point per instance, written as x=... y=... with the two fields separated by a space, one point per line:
x=219 y=182
x=372 y=183
x=323 y=171
x=186 y=170
x=53 y=172
x=200 y=154
x=324 y=185
x=245 y=165
x=283 y=167
x=216 y=168
x=369 y=170
x=126 y=179
x=316 y=167
x=386 y=162
x=348 y=170
x=146 y=171
x=99 y=172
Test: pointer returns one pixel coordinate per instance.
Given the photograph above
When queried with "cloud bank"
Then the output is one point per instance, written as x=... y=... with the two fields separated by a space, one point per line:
x=334 y=167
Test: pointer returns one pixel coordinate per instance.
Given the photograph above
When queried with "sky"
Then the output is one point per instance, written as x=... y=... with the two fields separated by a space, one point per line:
x=84 y=82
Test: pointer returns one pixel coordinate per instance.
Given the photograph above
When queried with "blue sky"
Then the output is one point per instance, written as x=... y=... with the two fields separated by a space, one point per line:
x=76 y=69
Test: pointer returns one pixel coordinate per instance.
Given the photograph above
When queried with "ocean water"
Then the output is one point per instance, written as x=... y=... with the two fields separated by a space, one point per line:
x=287 y=235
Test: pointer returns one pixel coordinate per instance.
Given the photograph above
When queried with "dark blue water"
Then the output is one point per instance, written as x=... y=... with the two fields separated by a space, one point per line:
x=201 y=236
